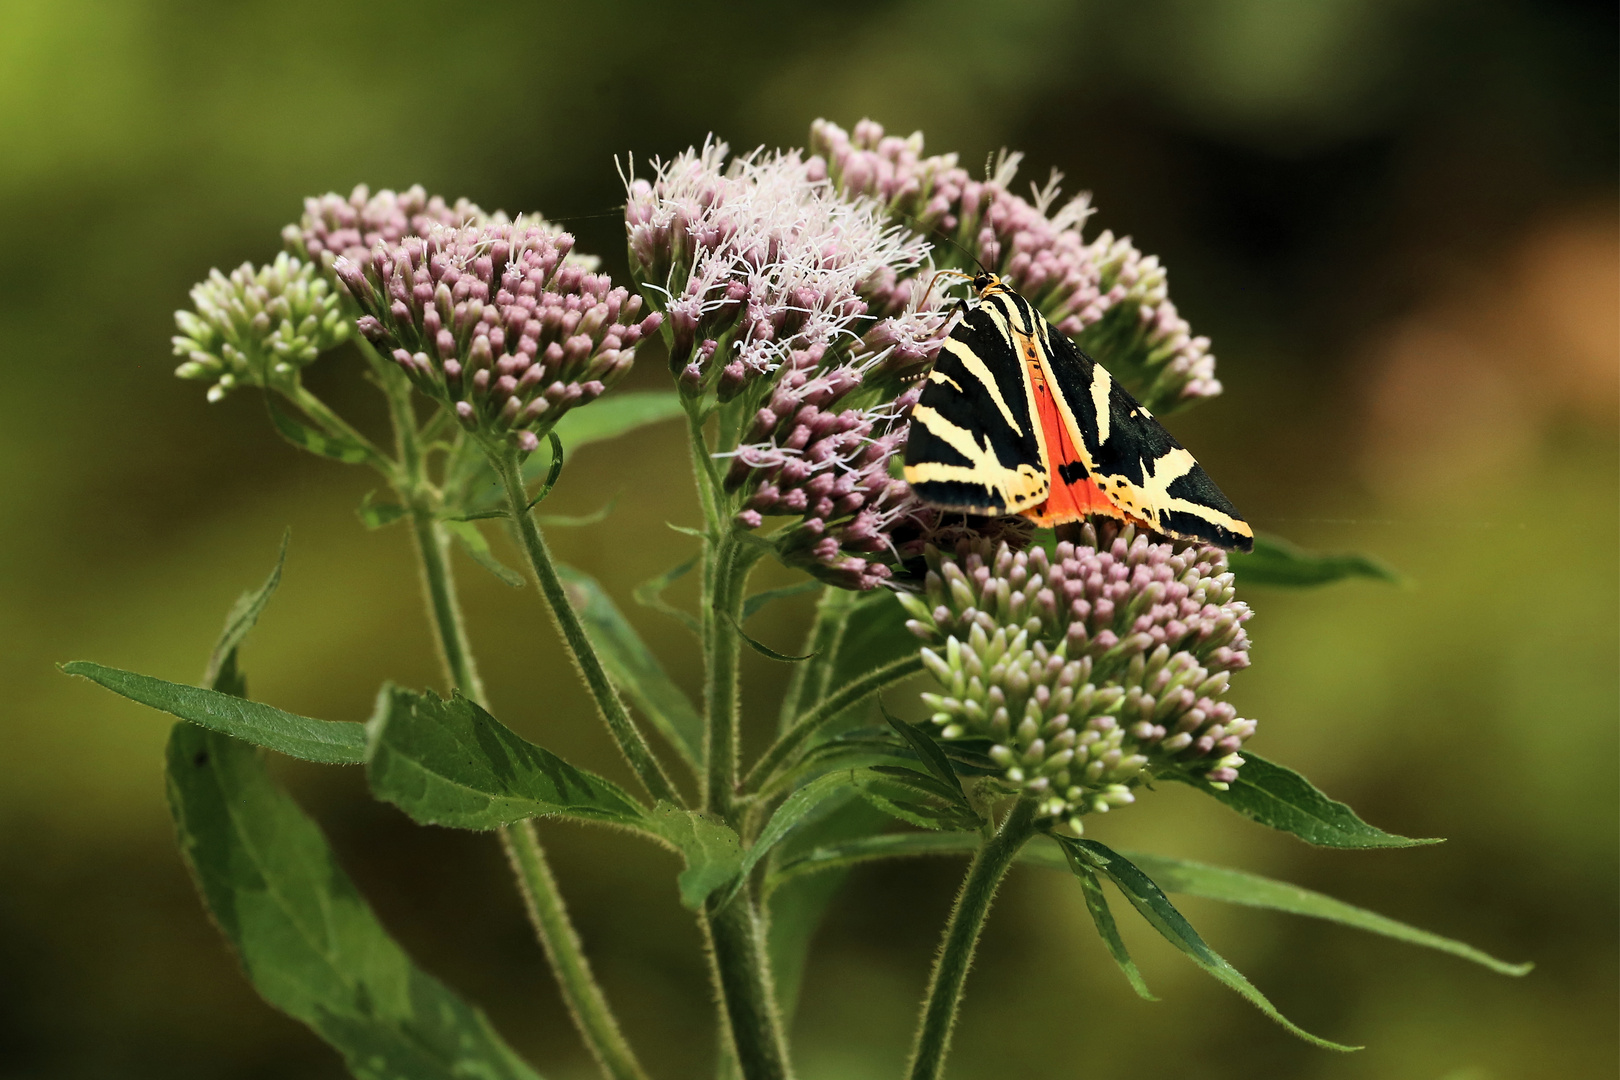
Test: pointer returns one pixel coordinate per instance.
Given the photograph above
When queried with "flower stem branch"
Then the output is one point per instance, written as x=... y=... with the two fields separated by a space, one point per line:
x=586 y=1003
x=847 y=696
x=808 y=682
x=962 y=937
x=625 y=733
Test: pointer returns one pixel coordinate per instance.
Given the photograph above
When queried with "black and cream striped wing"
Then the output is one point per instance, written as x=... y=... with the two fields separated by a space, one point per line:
x=1137 y=463
x=973 y=445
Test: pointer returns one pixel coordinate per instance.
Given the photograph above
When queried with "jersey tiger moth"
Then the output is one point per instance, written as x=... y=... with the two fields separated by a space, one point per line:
x=1015 y=419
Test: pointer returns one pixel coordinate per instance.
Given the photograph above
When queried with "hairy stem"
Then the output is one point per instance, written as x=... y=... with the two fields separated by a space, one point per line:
x=962 y=937
x=586 y=1002
x=552 y=925
x=849 y=695
x=737 y=946
x=624 y=731
x=721 y=678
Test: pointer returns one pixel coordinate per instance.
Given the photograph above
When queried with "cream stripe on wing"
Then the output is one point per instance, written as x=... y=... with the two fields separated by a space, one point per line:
x=977 y=369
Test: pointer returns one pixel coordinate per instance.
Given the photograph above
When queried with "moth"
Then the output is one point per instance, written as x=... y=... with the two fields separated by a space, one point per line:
x=1015 y=419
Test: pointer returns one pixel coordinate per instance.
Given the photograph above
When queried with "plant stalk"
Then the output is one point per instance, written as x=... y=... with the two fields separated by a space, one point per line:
x=962 y=937
x=631 y=743
x=720 y=691
x=744 y=980
x=586 y=1003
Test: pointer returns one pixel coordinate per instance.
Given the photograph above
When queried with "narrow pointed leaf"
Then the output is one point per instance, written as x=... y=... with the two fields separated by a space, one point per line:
x=553 y=471
x=793 y=811
x=1278 y=796
x=933 y=758
x=476 y=545
x=306 y=939
x=1275 y=561
x=1107 y=929
x=307 y=438
x=886 y=845
x=575 y=521
x=377 y=513
x=753 y=604
x=329 y=742
x=1252 y=890
x=222 y=672
x=763 y=649
x=1162 y=915
x=633 y=667
x=451 y=763
x=649 y=594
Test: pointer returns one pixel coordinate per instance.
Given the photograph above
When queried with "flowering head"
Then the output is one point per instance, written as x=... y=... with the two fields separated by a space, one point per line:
x=258 y=326
x=494 y=322
x=334 y=226
x=1103 y=293
x=1090 y=670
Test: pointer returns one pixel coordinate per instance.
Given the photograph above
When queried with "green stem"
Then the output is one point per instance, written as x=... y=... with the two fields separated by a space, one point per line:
x=631 y=743
x=721 y=689
x=322 y=414
x=544 y=902
x=962 y=937
x=848 y=696
x=586 y=1002
x=738 y=950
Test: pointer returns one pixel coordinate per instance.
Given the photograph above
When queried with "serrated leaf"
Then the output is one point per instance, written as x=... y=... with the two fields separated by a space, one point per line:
x=474 y=543
x=633 y=667
x=375 y=513
x=307 y=438
x=1281 y=798
x=306 y=939
x=649 y=594
x=222 y=673
x=329 y=742
x=753 y=604
x=763 y=649
x=451 y=763
x=711 y=849
x=928 y=751
x=1162 y=915
x=910 y=803
x=1252 y=890
x=1107 y=929
x=1275 y=561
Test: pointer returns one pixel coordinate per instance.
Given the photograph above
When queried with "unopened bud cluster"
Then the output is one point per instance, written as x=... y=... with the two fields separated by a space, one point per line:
x=1103 y=292
x=259 y=325
x=334 y=226
x=495 y=323
x=1091 y=670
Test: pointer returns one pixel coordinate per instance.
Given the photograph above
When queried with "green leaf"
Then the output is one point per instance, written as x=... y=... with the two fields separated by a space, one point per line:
x=1107 y=929
x=928 y=751
x=553 y=471
x=329 y=742
x=649 y=594
x=912 y=802
x=222 y=673
x=574 y=521
x=711 y=849
x=851 y=852
x=616 y=415
x=451 y=763
x=763 y=649
x=1283 y=799
x=473 y=542
x=633 y=667
x=752 y=605
x=876 y=635
x=375 y=513
x=306 y=939
x=1275 y=561
x=1162 y=915
x=1251 y=890
x=307 y=438
x=793 y=811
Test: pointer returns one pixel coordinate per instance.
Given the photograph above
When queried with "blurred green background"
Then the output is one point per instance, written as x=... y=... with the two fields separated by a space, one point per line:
x=1395 y=218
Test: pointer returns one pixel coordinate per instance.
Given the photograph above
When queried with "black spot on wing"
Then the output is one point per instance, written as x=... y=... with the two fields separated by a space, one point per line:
x=1187 y=526
x=1072 y=472
x=959 y=495
x=1198 y=488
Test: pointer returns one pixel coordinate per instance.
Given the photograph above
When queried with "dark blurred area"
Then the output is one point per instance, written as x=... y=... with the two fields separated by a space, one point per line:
x=1395 y=218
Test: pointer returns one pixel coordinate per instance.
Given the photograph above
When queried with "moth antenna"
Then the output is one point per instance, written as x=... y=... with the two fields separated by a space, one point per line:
x=937 y=275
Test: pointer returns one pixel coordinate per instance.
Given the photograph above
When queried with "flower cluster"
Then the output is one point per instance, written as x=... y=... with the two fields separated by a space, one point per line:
x=334 y=226
x=1090 y=670
x=258 y=326
x=1103 y=292
x=493 y=321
